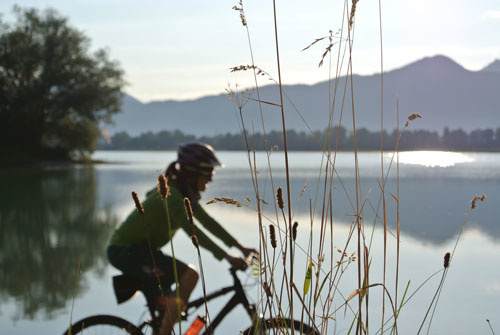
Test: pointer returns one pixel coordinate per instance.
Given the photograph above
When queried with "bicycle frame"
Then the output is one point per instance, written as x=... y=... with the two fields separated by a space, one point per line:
x=126 y=287
x=239 y=297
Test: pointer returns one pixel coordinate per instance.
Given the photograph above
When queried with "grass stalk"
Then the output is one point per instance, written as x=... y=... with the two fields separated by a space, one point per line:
x=382 y=150
x=397 y=216
x=194 y=239
x=440 y=286
x=163 y=190
x=491 y=328
x=357 y=187
x=286 y=155
x=74 y=293
x=140 y=209
x=239 y=104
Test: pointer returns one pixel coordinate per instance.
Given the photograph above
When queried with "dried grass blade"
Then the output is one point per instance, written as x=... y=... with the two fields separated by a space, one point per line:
x=307 y=280
x=265 y=102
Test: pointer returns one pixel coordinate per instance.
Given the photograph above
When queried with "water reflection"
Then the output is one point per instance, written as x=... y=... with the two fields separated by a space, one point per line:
x=433 y=199
x=432 y=208
x=48 y=217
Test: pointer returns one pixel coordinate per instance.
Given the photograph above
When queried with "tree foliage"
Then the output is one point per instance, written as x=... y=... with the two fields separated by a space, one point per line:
x=53 y=90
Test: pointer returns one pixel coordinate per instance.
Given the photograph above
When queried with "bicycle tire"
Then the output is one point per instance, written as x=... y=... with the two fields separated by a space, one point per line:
x=276 y=327
x=103 y=324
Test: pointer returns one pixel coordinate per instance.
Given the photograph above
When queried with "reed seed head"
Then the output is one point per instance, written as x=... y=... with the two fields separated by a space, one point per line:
x=447 y=260
x=476 y=198
x=138 y=203
x=267 y=289
x=279 y=197
x=294 y=230
x=225 y=200
x=189 y=210
x=243 y=68
x=194 y=239
x=242 y=13
x=353 y=11
x=163 y=187
x=272 y=235
x=412 y=117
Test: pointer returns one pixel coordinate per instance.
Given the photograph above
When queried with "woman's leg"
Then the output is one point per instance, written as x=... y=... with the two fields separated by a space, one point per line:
x=136 y=262
x=187 y=283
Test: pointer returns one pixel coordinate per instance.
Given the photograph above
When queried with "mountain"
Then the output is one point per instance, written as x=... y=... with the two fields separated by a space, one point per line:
x=493 y=67
x=442 y=91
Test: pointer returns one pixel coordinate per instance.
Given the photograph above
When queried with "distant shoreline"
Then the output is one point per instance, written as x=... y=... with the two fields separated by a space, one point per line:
x=339 y=138
x=90 y=162
x=292 y=150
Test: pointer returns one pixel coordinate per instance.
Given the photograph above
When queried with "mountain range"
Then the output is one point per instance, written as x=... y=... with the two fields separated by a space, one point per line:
x=442 y=91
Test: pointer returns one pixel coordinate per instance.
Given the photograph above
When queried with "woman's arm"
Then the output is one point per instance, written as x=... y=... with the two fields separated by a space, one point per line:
x=215 y=228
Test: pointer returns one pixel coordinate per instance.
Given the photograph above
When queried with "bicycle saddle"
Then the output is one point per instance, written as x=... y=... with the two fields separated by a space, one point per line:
x=125 y=287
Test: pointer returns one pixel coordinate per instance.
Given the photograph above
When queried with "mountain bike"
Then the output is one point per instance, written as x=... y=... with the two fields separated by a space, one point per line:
x=126 y=287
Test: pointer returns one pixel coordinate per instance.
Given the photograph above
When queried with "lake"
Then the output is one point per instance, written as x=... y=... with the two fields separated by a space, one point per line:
x=52 y=217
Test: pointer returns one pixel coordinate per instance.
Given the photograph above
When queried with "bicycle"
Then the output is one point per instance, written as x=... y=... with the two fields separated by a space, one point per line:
x=126 y=287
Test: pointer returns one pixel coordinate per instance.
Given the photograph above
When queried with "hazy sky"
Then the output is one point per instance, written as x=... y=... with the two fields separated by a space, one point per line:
x=181 y=49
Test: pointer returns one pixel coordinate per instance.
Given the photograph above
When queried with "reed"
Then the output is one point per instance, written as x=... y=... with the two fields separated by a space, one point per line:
x=491 y=328
x=322 y=285
x=194 y=239
x=140 y=209
x=77 y=275
x=164 y=192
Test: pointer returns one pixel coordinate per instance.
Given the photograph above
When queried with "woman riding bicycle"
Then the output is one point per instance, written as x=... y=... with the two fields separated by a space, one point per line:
x=129 y=251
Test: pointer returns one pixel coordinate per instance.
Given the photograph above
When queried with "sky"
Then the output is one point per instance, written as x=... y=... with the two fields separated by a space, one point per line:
x=183 y=49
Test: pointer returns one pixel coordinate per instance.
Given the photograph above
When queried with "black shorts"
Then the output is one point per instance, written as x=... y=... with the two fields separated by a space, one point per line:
x=135 y=261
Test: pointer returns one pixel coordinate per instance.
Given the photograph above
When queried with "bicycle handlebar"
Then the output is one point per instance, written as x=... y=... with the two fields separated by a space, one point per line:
x=248 y=260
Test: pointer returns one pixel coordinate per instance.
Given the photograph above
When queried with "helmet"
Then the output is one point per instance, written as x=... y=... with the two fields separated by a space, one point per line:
x=197 y=157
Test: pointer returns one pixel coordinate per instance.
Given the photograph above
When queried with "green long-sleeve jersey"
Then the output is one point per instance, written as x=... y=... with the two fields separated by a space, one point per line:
x=132 y=230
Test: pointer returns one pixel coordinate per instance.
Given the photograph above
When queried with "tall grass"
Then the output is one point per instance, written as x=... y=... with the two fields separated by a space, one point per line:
x=321 y=299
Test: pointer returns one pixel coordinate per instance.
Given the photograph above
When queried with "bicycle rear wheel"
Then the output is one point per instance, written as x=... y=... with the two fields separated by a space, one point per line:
x=103 y=324
x=280 y=326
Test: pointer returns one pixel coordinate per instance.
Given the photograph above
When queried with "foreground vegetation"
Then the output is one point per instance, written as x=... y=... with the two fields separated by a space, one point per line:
x=314 y=290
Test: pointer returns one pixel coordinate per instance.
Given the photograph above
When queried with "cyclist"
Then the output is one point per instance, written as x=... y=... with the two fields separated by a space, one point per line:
x=129 y=251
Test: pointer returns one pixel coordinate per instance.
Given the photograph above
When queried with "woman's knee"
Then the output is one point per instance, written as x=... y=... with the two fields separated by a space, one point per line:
x=192 y=273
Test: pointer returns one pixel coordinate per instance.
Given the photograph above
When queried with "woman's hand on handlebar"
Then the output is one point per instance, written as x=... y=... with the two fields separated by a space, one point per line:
x=247 y=251
x=236 y=262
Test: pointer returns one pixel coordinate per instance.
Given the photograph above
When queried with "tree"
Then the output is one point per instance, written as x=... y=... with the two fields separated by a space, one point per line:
x=455 y=139
x=482 y=139
x=497 y=139
x=120 y=140
x=53 y=90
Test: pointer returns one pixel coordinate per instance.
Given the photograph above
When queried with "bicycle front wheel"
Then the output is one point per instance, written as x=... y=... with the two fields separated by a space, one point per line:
x=103 y=324
x=280 y=326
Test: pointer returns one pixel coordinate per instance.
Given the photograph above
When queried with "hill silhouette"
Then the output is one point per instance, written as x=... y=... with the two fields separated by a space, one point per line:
x=492 y=67
x=442 y=91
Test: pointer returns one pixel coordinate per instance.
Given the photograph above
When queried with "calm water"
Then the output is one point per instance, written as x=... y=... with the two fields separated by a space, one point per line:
x=50 y=217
